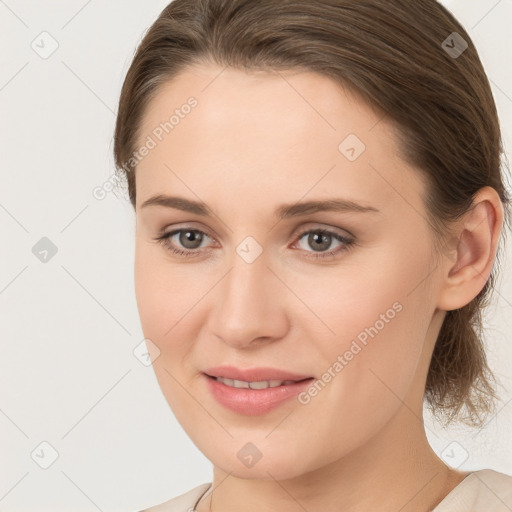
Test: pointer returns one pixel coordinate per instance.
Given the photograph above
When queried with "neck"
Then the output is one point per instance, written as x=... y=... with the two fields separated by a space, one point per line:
x=396 y=470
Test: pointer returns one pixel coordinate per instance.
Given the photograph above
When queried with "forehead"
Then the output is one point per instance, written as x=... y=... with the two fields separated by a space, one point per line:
x=285 y=132
x=262 y=100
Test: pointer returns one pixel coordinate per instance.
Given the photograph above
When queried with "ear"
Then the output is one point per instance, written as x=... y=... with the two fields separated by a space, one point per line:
x=476 y=244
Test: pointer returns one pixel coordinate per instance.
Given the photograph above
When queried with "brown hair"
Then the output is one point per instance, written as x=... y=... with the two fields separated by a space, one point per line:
x=396 y=55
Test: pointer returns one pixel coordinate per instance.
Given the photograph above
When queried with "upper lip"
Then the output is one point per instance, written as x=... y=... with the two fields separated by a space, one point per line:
x=254 y=374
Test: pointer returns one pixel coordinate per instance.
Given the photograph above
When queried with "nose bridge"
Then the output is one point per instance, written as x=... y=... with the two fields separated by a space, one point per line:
x=246 y=287
x=249 y=304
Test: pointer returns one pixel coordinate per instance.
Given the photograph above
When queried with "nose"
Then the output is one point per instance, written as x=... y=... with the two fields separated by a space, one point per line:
x=250 y=305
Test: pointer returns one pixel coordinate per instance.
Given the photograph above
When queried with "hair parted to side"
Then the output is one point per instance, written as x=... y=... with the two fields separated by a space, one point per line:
x=390 y=53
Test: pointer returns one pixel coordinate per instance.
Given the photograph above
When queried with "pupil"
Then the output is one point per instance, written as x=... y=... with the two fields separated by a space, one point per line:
x=190 y=237
x=318 y=238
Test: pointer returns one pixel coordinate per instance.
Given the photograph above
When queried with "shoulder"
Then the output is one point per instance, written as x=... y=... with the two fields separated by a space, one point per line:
x=485 y=490
x=183 y=503
x=495 y=490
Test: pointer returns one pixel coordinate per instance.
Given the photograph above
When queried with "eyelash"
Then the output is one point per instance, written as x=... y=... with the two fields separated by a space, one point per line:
x=163 y=238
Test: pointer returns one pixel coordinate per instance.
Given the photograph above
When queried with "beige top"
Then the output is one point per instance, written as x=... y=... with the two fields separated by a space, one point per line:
x=485 y=490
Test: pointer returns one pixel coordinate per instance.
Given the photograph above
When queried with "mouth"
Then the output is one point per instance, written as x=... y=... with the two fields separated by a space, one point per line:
x=253 y=391
x=260 y=384
x=256 y=374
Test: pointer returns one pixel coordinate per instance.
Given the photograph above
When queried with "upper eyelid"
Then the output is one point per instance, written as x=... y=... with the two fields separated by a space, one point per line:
x=297 y=234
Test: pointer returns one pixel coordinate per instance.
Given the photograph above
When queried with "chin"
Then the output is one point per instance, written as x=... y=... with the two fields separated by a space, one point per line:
x=263 y=459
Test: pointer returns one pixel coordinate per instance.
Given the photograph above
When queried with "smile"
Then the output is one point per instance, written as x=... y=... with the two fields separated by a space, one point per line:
x=253 y=397
x=262 y=384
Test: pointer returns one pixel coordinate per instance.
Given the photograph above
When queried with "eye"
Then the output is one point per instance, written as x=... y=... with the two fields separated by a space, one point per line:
x=191 y=240
x=321 y=239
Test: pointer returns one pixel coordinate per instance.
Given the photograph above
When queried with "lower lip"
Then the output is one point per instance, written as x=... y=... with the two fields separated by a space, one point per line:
x=253 y=401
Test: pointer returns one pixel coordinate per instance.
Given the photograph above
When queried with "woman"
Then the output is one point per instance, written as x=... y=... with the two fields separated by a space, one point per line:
x=319 y=206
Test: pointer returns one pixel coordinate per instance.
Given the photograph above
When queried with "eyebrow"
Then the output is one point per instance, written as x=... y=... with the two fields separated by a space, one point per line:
x=282 y=212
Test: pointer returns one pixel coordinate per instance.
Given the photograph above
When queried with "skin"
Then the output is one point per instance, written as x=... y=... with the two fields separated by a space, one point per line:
x=254 y=142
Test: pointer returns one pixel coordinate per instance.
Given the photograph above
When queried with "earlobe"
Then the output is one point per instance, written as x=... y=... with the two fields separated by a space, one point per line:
x=476 y=245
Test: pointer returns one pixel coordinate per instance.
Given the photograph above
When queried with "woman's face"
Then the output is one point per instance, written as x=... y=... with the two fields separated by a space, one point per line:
x=259 y=289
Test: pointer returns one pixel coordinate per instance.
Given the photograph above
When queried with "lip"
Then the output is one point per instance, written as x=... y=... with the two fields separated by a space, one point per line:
x=253 y=402
x=254 y=374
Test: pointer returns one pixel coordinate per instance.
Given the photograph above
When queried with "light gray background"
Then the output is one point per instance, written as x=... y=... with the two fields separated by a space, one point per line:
x=68 y=375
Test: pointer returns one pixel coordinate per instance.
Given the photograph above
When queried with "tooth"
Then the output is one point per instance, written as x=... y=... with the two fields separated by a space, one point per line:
x=259 y=385
x=240 y=384
x=263 y=384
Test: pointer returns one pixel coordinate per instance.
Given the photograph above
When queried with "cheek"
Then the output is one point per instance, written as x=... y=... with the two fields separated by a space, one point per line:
x=148 y=292
x=358 y=302
x=169 y=305
x=162 y=302
x=164 y=292
x=374 y=320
